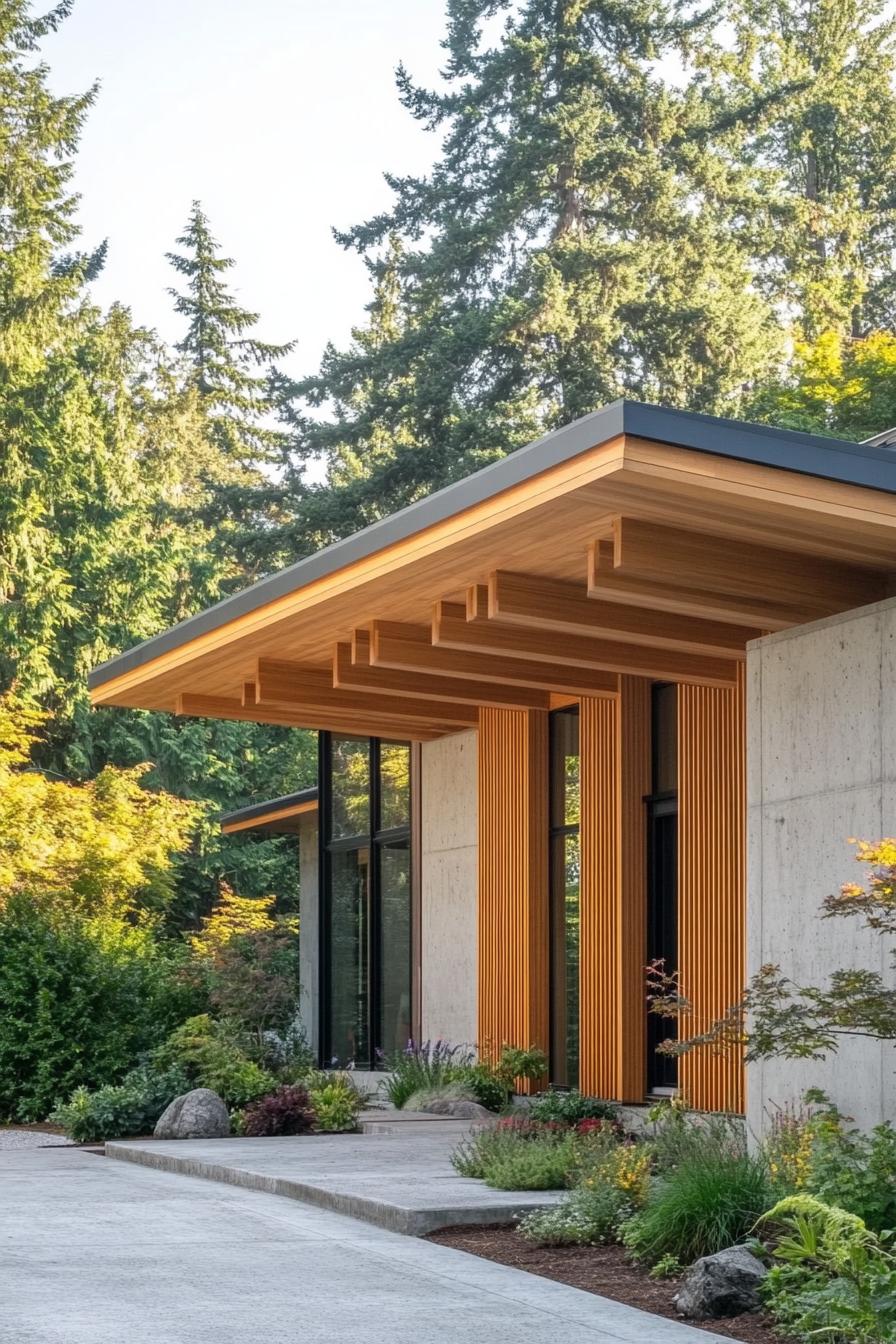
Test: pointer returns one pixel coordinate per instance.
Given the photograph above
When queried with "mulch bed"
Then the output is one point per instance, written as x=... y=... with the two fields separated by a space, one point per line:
x=597 y=1269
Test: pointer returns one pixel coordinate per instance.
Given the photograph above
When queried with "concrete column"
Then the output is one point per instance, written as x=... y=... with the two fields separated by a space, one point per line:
x=448 y=880
x=821 y=768
x=309 y=929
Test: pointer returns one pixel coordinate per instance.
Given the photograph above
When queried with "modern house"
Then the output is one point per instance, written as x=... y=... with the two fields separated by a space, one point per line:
x=624 y=695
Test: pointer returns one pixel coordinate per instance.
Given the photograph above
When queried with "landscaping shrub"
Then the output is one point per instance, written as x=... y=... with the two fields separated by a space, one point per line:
x=460 y=1091
x=518 y=1154
x=571 y=1108
x=113 y=1112
x=286 y=1111
x=209 y=1054
x=335 y=1101
x=586 y=1217
x=834 y=1278
x=80 y=1003
x=710 y=1199
x=848 y=1168
x=425 y=1066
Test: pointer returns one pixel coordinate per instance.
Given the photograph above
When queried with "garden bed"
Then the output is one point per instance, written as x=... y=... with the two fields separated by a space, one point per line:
x=596 y=1269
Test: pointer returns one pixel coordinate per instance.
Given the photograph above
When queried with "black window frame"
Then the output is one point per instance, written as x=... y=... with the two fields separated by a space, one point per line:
x=376 y=839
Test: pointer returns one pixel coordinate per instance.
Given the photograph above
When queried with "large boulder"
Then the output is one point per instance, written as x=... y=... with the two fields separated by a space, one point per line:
x=725 y=1284
x=200 y=1114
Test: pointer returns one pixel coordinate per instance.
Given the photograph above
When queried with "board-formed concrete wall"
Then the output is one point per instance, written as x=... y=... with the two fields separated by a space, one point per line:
x=821 y=768
x=309 y=929
x=448 y=881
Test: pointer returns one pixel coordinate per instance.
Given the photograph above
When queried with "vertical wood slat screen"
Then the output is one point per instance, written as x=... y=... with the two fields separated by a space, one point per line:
x=712 y=881
x=615 y=765
x=513 y=878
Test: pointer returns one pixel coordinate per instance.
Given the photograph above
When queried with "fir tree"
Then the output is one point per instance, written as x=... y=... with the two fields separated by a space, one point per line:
x=570 y=245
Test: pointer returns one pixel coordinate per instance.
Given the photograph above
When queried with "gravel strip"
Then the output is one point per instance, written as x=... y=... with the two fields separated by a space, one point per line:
x=32 y=1138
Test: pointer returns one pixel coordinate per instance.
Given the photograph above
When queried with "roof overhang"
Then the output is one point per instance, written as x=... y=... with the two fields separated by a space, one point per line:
x=632 y=528
x=275 y=816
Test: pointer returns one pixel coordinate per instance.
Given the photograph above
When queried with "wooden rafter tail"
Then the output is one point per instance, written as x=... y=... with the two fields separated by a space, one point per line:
x=530 y=601
x=608 y=659
x=740 y=568
x=608 y=584
x=360 y=722
x=301 y=690
x=420 y=684
x=416 y=650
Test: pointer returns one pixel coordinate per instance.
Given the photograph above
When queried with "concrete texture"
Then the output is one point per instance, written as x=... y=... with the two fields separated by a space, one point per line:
x=821 y=767
x=397 y=1175
x=309 y=928
x=448 y=791
x=96 y=1252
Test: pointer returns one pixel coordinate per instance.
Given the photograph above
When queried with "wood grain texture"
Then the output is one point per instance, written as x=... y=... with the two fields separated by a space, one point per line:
x=513 y=879
x=712 y=883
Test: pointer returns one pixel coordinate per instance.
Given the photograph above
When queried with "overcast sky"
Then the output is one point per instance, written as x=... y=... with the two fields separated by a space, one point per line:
x=279 y=115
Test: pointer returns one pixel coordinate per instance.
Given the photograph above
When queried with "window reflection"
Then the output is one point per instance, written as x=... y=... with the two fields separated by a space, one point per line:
x=565 y=776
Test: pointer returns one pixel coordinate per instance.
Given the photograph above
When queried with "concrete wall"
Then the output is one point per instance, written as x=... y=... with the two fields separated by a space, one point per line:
x=309 y=929
x=448 y=888
x=821 y=767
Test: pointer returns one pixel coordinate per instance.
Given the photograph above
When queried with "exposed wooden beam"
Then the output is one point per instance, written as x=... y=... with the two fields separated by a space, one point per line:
x=607 y=584
x=362 y=674
x=411 y=649
x=395 y=726
x=637 y=660
x=299 y=688
x=549 y=604
x=739 y=568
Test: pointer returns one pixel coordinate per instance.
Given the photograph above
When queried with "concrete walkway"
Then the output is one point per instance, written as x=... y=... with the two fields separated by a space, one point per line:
x=397 y=1175
x=98 y=1252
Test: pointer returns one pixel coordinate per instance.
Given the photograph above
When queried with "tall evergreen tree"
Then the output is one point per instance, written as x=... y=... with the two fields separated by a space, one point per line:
x=570 y=245
x=822 y=224
x=231 y=370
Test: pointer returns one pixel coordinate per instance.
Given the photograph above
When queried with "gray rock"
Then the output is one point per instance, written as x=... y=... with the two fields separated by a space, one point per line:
x=200 y=1114
x=459 y=1108
x=725 y=1284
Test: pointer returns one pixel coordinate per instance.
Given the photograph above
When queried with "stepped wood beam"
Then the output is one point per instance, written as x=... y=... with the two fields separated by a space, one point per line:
x=301 y=689
x=607 y=584
x=550 y=604
x=362 y=724
x=810 y=585
x=410 y=648
x=479 y=634
x=353 y=670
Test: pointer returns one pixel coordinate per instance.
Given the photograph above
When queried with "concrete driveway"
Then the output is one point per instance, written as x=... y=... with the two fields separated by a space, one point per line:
x=100 y=1252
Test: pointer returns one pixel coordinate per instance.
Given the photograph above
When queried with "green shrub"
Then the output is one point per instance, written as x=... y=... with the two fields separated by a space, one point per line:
x=335 y=1101
x=517 y=1155
x=571 y=1108
x=710 y=1200
x=113 y=1112
x=211 y=1057
x=586 y=1217
x=79 y=1004
x=423 y=1067
x=853 y=1170
x=486 y=1088
x=834 y=1278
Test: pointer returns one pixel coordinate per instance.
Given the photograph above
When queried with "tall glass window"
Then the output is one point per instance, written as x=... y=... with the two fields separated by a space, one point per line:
x=565 y=859
x=662 y=874
x=365 y=898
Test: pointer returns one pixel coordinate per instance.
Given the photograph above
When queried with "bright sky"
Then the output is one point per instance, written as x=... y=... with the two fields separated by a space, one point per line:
x=279 y=115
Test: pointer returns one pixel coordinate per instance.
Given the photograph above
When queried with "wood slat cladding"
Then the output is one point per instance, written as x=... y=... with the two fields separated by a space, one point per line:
x=712 y=881
x=615 y=769
x=513 y=878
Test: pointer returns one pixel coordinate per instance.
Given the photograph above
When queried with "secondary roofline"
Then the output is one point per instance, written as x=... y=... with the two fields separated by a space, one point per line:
x=790 y=450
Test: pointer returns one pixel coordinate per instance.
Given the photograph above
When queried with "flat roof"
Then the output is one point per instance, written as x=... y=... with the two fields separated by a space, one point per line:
x=272 y=811
x=863 y=465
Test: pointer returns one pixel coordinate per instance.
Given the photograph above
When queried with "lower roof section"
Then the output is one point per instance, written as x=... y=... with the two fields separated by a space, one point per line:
x=276 y=816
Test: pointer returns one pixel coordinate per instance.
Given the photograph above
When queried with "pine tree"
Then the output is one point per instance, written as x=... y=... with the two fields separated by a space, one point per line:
x=231 y=370
x=823 y=223
x=570 y=245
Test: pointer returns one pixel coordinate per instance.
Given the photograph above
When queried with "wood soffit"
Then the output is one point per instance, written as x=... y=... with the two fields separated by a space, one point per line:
x=632 y=558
